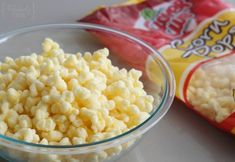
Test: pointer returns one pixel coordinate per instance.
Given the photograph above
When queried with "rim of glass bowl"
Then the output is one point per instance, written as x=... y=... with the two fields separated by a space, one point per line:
x=162 y=109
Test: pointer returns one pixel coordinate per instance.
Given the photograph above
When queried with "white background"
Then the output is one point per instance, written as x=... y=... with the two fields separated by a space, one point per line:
x=181 y=136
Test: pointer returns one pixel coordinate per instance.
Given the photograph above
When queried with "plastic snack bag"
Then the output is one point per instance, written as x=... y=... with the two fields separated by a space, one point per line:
x=197 y=37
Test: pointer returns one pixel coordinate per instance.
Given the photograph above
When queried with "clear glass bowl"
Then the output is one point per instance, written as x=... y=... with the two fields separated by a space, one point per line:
x=158 y=80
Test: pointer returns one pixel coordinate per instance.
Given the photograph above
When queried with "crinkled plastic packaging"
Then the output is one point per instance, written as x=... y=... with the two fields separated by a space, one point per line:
x=196 y=37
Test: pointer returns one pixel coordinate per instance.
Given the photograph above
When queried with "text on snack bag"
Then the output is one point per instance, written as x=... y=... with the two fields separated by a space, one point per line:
x=200 y=45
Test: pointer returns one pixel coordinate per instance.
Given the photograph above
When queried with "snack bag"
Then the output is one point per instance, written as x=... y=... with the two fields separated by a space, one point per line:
x=197 y=38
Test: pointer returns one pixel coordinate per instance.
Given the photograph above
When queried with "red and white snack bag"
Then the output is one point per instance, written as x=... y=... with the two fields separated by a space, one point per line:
x=197 y=37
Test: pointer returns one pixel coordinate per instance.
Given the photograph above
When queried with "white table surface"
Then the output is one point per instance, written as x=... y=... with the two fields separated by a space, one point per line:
x=181 y=136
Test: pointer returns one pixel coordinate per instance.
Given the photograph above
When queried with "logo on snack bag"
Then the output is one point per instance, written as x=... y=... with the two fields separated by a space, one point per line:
x=174 y=18
x=213 y=37
x=216 y=39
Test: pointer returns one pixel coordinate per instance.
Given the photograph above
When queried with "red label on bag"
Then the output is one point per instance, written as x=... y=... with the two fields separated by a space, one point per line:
x=174 y=18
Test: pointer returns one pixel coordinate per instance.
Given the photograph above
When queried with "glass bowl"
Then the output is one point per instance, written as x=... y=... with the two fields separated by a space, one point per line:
x=158 y=81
